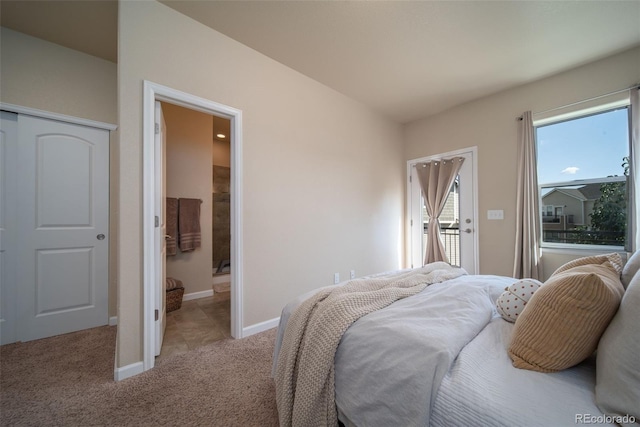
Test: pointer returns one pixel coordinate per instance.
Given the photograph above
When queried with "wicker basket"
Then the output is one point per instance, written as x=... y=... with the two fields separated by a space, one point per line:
x=174 y=299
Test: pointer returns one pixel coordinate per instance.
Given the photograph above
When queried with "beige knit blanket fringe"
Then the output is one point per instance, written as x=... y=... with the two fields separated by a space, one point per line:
x=305 y=388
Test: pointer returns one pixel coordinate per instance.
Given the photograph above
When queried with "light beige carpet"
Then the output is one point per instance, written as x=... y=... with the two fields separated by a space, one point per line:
x=68 y=381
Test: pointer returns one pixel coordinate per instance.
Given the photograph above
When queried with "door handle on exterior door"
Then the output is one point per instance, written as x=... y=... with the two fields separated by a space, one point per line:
x=468 y=231
x=167 y=236
x=100 y=237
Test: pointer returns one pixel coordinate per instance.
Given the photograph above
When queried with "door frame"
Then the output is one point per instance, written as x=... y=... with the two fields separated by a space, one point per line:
x=153 y=92
x=409 y=237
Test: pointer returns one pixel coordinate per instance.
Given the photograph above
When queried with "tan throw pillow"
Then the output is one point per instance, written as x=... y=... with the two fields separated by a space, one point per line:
x=612 y=260
x=565 y=318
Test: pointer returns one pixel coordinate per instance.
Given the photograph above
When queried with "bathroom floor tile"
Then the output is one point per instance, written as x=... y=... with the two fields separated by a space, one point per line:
x=196 y=323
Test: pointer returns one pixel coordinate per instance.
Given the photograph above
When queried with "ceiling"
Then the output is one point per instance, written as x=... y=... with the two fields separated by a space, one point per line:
x=405 y=59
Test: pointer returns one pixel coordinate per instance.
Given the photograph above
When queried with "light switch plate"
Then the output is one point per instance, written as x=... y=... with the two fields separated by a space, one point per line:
x=495 y=214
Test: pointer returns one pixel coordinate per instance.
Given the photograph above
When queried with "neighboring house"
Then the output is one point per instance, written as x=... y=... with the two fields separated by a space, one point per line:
x=564 y=208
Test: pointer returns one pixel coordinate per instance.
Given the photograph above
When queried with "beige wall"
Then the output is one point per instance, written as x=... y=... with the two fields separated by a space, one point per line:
x=322 y=175
x=189 y=172
x=46 y=76
x=489 y=124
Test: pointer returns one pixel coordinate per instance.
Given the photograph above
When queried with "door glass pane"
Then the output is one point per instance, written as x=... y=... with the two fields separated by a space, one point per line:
x=449 y=225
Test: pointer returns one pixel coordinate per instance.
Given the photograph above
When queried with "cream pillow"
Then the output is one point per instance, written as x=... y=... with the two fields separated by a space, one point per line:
x=618 y=359
x=514 y=298
x=564 y=319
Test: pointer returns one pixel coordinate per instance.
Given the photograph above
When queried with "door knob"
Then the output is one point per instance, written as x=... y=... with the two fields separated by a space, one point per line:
x=100 y=237
x=468 y=230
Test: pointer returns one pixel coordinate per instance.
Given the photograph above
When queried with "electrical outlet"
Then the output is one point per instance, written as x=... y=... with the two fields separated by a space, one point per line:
x=353 y=274
x=336 y=278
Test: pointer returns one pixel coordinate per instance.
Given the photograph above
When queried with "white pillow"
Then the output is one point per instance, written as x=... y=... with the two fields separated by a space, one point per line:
x=630 y=269
x=512 y=301
x=618 y=358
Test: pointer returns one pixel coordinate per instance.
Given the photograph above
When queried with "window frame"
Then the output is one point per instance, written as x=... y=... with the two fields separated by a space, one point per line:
x=568 y=114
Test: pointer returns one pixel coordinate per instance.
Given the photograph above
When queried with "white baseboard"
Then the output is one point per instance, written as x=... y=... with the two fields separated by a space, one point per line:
x=125 y=372
x=197 y=295
x=260 y=327
x=113 y=320
x=221 y=278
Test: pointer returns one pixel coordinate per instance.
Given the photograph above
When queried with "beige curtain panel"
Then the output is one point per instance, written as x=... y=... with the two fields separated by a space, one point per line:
x=634 y=183
x=436 y=178
x=528 y=228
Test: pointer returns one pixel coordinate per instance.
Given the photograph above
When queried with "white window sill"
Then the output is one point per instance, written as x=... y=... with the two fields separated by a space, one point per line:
x=584 y=250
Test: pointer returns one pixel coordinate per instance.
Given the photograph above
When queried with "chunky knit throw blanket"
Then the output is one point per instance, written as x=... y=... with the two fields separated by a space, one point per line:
x=305 y=389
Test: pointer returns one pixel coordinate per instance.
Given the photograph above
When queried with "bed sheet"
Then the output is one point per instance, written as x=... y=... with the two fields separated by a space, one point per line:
x=483 y=388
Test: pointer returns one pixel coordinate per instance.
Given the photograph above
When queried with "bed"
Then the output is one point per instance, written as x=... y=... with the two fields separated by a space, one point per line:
x=441 y=357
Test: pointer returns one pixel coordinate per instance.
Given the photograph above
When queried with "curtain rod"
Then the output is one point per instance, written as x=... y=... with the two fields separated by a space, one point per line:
x=635 y=86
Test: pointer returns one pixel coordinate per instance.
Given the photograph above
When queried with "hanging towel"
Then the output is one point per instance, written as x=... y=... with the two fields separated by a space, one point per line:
x=189 y=224
x=172 y=225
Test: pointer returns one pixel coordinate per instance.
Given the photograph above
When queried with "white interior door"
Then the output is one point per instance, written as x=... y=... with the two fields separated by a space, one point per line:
x=8 y=215
x=161 y=229
x=63 y=204
x=460 y=232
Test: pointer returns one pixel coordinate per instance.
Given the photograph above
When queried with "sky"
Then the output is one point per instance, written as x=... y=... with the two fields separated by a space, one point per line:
x=585 y=148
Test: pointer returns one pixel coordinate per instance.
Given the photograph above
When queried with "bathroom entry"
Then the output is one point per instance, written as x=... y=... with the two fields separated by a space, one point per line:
x=221 y=161
x=198 y=160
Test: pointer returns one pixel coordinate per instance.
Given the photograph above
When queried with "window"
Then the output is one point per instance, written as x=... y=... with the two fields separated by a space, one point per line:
x=583 y=168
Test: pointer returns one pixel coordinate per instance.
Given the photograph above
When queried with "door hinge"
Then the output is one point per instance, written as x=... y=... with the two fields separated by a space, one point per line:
x=410 y=178
x=157 y=221
x=157 y=128
x=412 y=223
x=157 y=315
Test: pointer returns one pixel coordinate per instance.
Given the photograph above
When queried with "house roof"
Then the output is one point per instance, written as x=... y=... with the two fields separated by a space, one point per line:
x=407 y=60
x=582 y=193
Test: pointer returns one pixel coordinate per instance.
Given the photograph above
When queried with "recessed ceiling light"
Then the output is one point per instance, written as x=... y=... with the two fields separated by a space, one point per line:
x=221 y=135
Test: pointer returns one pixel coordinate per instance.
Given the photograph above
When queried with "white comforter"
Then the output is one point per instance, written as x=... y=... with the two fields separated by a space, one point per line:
x=390 y=363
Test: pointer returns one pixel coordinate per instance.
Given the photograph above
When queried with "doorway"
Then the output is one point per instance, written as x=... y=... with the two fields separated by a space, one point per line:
x=196 y=165
x=152 y=243
x=458 y=228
